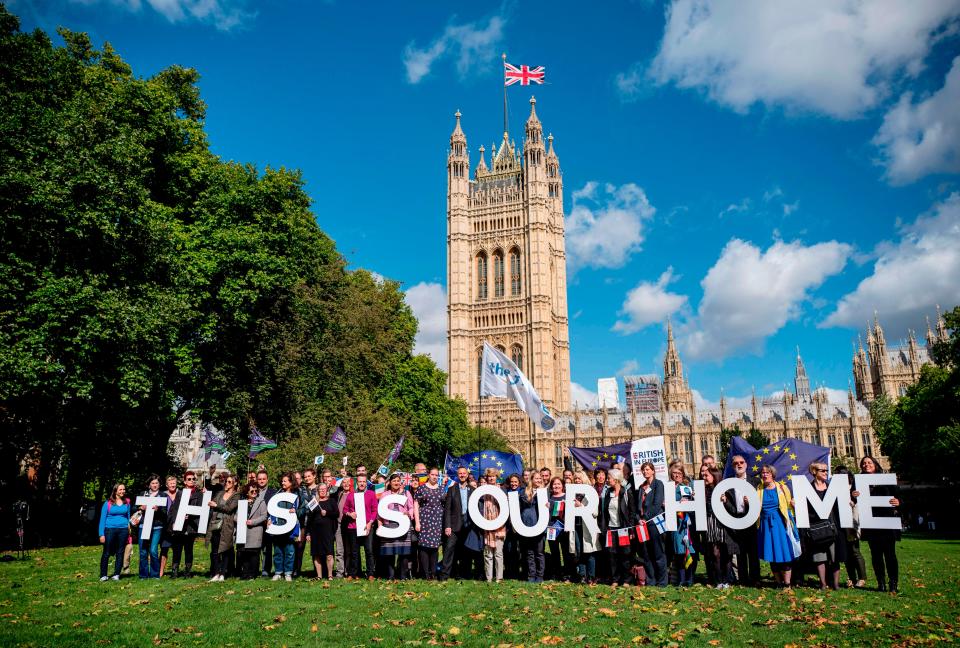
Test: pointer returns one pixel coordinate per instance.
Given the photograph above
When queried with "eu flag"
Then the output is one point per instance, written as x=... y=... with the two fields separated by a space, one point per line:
x=478 y=462
x=788 y=457
x=602 y=457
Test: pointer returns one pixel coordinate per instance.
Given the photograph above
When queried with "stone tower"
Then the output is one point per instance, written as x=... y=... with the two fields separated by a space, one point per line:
x=889 y=371
x=801 y=382
x=677 y=396
x=506 y=271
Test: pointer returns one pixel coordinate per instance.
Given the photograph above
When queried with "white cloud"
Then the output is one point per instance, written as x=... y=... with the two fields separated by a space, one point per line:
x=649 y=303
x=472 y=44
x=736 y=208
x=605 y=227
x=429 y=304
x=750 y=294
x=628 y=368
x=910 y=276
x=921 y=138
x=837 y=58
x=582 y=397
x=222 y=14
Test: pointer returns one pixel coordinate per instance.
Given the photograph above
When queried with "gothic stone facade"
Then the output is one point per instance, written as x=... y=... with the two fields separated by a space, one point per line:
x=506 y=278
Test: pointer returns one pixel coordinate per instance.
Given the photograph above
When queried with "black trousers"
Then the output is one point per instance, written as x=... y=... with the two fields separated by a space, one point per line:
x=249 y=563
x=883 y=552
x=428 y=562
x=183 y=545
x=748 y=557
x=536 y=559
x=356 y=542
x=458 y=560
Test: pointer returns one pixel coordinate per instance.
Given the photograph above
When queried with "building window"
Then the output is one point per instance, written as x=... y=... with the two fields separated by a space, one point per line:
x=482 y=276
x=848 y=444
x=703 y=447
x=516 y=354
x=558 y=454
x=867 y=444
x=832 y=441
x=515 y=272
x=687 y=448
x=673 y=448
x=498 y=274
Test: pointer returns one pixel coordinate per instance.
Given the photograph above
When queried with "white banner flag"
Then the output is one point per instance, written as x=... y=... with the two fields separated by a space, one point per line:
x=649 y=449
x=501 y=377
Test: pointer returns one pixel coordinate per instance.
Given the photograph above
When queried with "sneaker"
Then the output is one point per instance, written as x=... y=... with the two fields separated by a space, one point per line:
x=214 y=579
x=115 y=577
x=103 y=579
x=276 y=577
x=288 y=577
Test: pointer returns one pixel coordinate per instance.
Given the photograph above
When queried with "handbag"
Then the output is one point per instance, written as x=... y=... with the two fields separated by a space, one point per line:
x=822 y=532
x=639 y=574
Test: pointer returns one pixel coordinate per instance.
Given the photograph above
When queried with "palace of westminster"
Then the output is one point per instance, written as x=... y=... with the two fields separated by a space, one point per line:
x=506 y=279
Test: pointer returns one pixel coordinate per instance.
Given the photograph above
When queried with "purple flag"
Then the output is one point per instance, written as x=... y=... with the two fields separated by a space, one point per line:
x=337 y=442
x=259 y=443
x=396 y=451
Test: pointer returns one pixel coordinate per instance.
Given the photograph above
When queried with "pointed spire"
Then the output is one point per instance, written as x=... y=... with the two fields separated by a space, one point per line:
x=550 y=152
x=533 y=120
x=941 y=326
x=930 y=339
x=482 y=164
x=456 y=129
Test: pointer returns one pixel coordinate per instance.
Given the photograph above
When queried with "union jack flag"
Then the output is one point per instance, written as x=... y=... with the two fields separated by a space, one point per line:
x=522 y=75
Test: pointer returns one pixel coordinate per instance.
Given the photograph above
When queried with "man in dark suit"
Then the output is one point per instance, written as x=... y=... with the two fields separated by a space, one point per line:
x=747 y=555
x=456 y=527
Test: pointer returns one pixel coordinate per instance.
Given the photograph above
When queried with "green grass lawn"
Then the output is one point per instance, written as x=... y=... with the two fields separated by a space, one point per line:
x=55 y=599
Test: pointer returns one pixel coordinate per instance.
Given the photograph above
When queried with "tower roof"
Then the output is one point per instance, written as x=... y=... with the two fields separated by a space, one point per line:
x=533 y=121
x=457 y=135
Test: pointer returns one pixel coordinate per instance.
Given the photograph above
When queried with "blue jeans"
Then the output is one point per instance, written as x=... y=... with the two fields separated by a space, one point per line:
x=150 y=554
x=284 y=552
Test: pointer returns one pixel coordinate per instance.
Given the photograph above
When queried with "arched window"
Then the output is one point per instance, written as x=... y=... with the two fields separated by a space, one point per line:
x=516 y=354
x=498 y=274
x=515 y=272
x=482 y=275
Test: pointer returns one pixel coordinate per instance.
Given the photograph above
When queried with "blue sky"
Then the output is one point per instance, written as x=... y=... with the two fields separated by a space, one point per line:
x=767 y=174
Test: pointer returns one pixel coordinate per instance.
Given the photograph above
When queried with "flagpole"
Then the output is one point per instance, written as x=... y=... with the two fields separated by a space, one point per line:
x=504 y=56
x=479 y=441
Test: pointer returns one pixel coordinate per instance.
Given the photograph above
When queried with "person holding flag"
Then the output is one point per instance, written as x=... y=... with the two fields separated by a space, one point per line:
x=650 y=512
x=557 y=537
x=683 y=550
x=616 y=519
x=775 y=526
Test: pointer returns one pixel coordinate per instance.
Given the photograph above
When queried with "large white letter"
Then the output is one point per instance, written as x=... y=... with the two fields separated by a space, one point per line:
x=476 y=513
x=543 y=518
x=866 y=502
x=360 y=506
x=402 y=520
x=146 y=523
x=588 y=512
x=186 y=509
x=741 y=488
x=698 y=506
x=838 y=494
x=243 y=510
x=275 y=509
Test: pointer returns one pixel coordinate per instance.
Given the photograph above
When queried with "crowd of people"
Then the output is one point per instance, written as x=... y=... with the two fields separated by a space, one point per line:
x=632 y=545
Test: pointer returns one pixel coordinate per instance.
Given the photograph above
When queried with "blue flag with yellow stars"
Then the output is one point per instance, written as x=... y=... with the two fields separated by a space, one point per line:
x=602 y=457
x=477 y=463
x=788 y=457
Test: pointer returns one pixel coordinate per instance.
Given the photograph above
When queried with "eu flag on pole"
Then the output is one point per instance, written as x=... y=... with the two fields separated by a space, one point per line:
x=788 y=457
x=602 y=457
x=504 y=462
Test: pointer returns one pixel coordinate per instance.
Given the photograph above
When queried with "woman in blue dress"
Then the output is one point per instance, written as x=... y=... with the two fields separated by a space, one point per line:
x=775 y=526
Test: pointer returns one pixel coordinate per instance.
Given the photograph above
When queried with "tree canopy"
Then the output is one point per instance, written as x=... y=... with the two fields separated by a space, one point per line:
x=921 y=432
x=142 y=277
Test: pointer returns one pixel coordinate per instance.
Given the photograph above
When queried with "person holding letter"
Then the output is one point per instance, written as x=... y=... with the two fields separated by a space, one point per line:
x=822 y=541
x=532 y=547
x=150 y=549
x=684 y=554
x=395 y=552
x=284 y=545
x=775 y=526
x=323 y=520
x=223 y=528
x=183 y=539
x=616 y=520
x=256 y=523
x=492 y=540
x=882 y=542
x=428 y=522
x=585 y=544
x=360 y=536
x=456 y=527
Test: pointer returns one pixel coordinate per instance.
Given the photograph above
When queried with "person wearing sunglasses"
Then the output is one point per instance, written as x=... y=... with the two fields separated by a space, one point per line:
x=743 y=541
x=182 y=541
